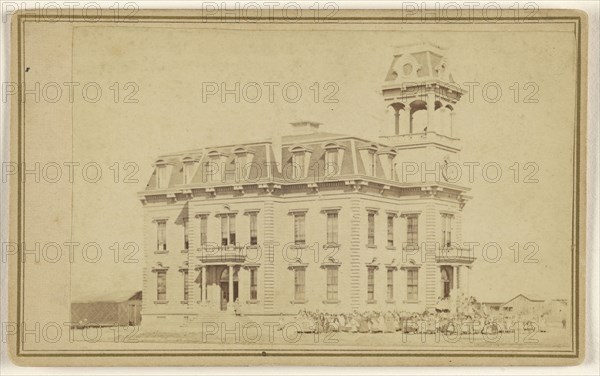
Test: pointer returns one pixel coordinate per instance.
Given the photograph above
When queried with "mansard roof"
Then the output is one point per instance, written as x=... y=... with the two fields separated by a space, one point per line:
x=275 y=152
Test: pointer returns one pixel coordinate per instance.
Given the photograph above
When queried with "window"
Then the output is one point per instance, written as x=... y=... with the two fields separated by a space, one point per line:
x=224 y=230
x=297 y=165
x=161 y=176
x=412 y=284
x=371 y=284
x=332 y=228
x=390 y=230
x=390 y=284
x=331 y=166
x=371 y=163
x=161 y=285
x=161 y=235
x=299 y=284
x=188 y=168
x=232 y=229
x=186 y=234
x=447 y=230
x=371 y=229
x=203 y=229
x=186 y=289
x=299 y=229
x=412 y=230
x=209 y=171
x=253 y=284
x=253 y=229
x=332 y=284
x=228 y=229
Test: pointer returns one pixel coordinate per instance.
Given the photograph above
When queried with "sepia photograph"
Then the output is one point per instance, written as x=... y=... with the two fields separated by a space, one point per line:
x=296 y=186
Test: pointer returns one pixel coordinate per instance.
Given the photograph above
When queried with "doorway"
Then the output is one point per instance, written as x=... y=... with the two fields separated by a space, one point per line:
x=224 y=284
x=446 y=281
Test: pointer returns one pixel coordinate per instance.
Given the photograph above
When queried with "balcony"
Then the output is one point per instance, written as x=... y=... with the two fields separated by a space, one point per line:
x=221 y=254
x=411 y=139
x=454 y=255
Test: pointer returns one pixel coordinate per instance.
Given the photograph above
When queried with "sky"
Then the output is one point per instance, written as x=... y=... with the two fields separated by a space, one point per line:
x=170 y=65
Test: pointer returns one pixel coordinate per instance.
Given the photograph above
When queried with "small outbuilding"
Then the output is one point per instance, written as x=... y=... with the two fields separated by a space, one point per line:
x=116 y=310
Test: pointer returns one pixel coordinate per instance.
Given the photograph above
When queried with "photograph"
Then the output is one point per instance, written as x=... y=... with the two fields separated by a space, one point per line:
x=299 y=186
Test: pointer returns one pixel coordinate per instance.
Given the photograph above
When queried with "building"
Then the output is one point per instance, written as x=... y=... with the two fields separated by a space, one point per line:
x=522 y=305
x=315 y=220
x=121 y=309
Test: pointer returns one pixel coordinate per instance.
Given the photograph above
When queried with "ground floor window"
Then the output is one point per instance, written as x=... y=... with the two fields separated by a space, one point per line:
x=161 y=285
x=253 y=284
x=390 y=284
x=186 y=290
x=412 y=284
x=332 y=283
x=370 y=284
x=299 y=284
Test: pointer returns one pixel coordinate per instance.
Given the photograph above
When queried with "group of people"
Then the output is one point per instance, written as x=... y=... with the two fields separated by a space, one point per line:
x=469 y=319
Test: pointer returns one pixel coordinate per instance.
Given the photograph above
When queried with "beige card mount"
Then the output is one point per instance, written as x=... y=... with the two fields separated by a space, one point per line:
x=327 y=187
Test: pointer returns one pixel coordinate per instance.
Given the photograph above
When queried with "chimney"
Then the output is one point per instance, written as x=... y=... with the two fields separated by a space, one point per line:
x=305 y=127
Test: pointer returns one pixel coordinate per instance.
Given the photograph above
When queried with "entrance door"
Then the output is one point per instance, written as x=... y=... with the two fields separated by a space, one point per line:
x=224 y=284
x=224 y=295
x=446 y=282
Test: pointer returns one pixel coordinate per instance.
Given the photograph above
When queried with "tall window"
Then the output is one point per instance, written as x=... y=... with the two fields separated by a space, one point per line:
x=232 y=229
x=253 y=284
x=331 y=167
x=188 y=168
x=161 y=177
x=253 y=228
x=161 y=285
x=299 y=284
x=161 y=235
x=299 y=228
x=412 y=284
x=390 y=230
x=332 y=284
x=412 y=230
x=371 y=163
x=371 y=228
x=370 y=284
x=186 y=234
x=447 y=230
x=186 y=289
x=390 y=284
x=332 y=228
x=297 y=165
x=228 y=230
x=203 y=229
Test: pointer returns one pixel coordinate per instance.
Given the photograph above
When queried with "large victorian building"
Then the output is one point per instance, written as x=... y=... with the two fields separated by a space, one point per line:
x=314 y=220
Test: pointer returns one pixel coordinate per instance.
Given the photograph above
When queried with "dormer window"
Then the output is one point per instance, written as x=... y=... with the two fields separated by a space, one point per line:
x=369 y=158
x=333 y=159
x=188 y=169
x=300 y=159
x=243 y=159
x=213 y=166
x=161 y=174
x=371 y=163
x=386 y=158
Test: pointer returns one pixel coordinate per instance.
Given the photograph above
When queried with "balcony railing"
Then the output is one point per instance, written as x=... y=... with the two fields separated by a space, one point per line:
x=221 y=254
x=455 y=255
x=423 y=137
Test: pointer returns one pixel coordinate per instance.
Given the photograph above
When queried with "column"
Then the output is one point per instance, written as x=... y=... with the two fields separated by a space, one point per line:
x=204 y=295
x=397 y=120
x=454 y=276
x=431 y=113
x=230 y=284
